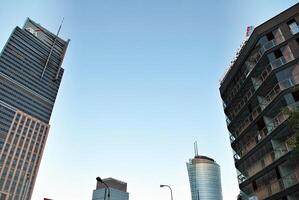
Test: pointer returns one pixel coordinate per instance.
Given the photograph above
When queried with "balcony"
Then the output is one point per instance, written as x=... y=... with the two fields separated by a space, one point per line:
x=276 y=186
x=265 y=161
x=251 y=65
x=259 y=80
x=276 y=90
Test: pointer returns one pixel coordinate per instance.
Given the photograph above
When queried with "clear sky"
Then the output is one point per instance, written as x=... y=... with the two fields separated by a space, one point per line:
x=140 y=86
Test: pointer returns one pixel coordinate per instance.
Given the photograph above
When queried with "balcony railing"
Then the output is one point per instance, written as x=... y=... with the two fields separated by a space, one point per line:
x=265 y=161
x=265 y=73
x=287 y=83
x=261 y=51
x=276 y=186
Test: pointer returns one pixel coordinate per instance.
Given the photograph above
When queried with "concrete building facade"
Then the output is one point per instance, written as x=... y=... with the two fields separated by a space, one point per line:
x=261 y=84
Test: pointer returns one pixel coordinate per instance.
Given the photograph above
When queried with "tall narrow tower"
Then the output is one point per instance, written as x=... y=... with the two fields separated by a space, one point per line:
x=30 y=76
x=204 y=177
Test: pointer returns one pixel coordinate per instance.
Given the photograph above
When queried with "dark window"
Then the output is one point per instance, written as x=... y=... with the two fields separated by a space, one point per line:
x=296 y=95
x=277 y=173
x=291 y=21
x=297 y=40
x=284 y=198
x=249 y=108
x=277 y=53
x=254 y=185
x=270 y=36
x=294 y=28
x=260 y=124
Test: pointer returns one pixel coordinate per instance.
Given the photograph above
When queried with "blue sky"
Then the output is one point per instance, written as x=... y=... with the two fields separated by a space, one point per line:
x=140 y=86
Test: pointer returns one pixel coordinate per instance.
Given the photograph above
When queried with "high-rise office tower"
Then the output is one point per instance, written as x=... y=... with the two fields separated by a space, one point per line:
x=30 y=75
x=204 y=178
x=118 y=190
x=263 y=82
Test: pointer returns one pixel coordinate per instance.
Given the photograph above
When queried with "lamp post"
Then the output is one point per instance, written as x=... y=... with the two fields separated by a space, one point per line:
x=169 y=189
x=107 y=187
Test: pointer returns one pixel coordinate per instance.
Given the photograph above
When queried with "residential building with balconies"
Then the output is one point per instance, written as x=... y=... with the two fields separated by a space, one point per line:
x=261 y=84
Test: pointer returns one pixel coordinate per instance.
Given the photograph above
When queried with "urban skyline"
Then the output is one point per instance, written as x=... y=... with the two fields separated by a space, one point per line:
x=144 y=90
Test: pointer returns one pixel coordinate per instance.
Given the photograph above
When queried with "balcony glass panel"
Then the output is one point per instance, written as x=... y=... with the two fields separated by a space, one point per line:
x=273 y=65
x=289 y=82
x=266 y=160
x=294 y=28
x=277 y=185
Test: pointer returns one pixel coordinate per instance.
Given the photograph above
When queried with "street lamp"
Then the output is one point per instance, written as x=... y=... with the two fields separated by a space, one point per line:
x=169 y=188
x=107 y=187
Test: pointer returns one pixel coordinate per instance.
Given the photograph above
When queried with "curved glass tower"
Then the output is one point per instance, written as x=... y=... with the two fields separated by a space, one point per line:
x=205 y=178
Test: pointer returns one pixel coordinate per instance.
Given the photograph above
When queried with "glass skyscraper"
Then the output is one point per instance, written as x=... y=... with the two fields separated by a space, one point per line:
x=204 y=178
x=30 y=76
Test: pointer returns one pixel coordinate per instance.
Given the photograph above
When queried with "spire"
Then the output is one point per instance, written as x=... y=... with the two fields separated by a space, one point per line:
x=195 y=149
x=52 y=48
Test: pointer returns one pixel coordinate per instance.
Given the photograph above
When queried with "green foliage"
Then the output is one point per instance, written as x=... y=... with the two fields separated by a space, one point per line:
x=294 y=122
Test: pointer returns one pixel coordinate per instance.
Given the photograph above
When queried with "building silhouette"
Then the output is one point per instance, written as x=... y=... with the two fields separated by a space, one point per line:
x=204 y=178
x=259 y=89
x=118 y=190
x=30 y=75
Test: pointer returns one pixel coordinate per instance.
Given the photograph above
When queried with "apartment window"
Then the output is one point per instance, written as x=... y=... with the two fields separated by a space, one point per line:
x=296 y=96
x=254 y=185
x=278 y=175
x=270 y=36
x=294 y=28
x=260 y=124
x=249 y=107
x=277 y=53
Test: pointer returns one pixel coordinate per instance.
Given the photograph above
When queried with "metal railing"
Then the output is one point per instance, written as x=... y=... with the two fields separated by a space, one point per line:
x=261 y=51
x=265 y=161
x=265 y=73
x=278 y=185
x=287 y=83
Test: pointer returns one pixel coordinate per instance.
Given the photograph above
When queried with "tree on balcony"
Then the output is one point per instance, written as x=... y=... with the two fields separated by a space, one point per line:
x=294 y=122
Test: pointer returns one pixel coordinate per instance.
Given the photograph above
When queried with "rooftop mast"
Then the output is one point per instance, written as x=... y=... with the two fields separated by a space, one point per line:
x=195 y=149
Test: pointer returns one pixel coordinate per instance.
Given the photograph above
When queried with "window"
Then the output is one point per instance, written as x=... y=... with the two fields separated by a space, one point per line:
x=294 y=28
x=297 y=40
x=270 y=36
x=277 y=53
x=249 y=108
x=296 y=95
x=260 y=124
x=254 y=185
x=278 y=175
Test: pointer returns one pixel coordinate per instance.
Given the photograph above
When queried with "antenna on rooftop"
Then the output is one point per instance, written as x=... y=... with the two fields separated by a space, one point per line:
x=52 y=48
x=195 y=148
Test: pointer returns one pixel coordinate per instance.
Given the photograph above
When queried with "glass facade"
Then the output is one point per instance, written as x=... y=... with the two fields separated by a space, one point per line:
x=30 y=76
x=204 y=178
x=115 y=194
